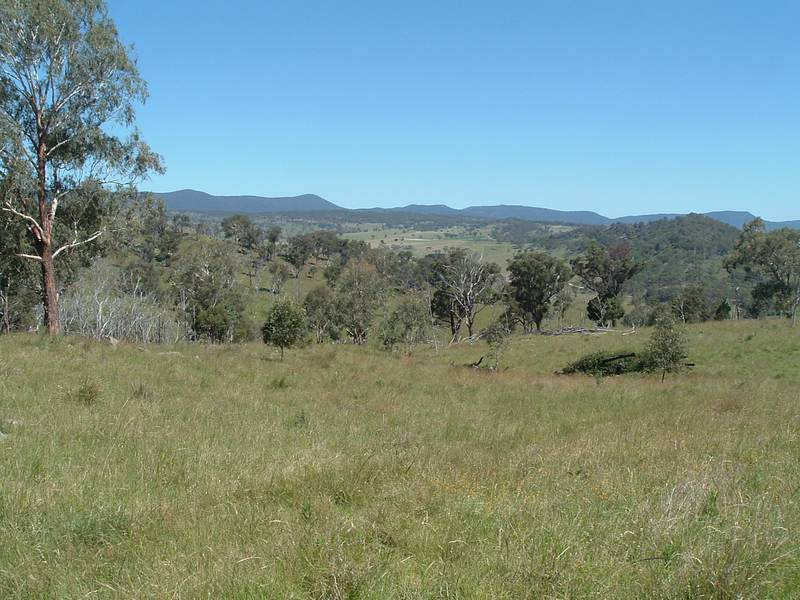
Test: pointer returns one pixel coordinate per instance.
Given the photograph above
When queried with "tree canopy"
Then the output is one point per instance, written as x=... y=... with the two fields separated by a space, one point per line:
x=64 y=78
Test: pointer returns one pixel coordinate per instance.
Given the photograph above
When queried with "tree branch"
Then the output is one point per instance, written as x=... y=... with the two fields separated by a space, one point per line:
x=31 y=256
x=33 y=222
x=76 y=243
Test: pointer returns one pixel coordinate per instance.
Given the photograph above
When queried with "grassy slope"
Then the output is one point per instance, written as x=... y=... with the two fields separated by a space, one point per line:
x=344 y=472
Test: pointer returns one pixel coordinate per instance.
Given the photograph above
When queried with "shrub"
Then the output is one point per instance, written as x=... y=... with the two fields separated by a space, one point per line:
x=602 y=364
x=496 y=335
x=666 y=350
x=408 y=324
x=87 y=393
x=285 y=325
x=723 y=311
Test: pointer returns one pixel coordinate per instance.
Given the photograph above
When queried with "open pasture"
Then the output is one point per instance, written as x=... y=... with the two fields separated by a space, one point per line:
x=346 y=472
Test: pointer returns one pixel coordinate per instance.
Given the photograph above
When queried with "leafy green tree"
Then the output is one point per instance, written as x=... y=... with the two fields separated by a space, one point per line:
x=18 y=281
x=285 y=325
x=604 y=271
x=318 y=305
x=536 y=280
x=409 y=323
x=359 y=293
x=667 y=348
x=298 y=251
x=66 y=83
x=242 y=230
x=562 y=303
x=280 y=273
x=272 y=235
x=181 y=222
x=692 y=305
x=203 y=277
x=605 y=310
x=775 y=257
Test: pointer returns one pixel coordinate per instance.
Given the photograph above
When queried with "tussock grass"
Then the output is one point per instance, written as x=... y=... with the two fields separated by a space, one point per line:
x=371 y=475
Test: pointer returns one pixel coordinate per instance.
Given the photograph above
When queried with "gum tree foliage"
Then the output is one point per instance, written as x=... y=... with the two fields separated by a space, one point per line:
x=775 y=258
x=694 y=304
x=536 y=280
x=64 y=77
x=359 y=293
x=250 y=239
x=604 y=271
x=19 y=288
x=408 y=324
x=674 y=253
x=279 y=275
x=285 y=325
x=202 y=276
x=298 y=251
x=319 y=308
x=243 y=231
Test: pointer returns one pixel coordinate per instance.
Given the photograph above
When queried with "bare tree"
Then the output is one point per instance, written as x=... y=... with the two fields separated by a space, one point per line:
x=471 y=284
x=101 y=306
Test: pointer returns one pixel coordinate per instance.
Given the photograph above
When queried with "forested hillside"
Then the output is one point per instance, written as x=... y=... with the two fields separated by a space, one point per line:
x=673 y=253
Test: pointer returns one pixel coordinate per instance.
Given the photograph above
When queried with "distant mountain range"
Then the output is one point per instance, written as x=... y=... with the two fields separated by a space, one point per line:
x=200 y=202
x=194 y=201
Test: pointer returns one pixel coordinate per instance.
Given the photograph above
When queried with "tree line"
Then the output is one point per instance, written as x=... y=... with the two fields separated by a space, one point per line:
x=82 y=251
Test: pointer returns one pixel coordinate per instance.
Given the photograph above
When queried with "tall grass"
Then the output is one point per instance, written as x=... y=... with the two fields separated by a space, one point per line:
x=342 y=472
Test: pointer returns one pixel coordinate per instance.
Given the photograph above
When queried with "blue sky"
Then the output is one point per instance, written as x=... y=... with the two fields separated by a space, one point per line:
x=618 y=107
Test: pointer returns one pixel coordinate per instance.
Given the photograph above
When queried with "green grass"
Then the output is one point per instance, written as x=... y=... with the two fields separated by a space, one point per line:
x=342 y=472
x=422 y=242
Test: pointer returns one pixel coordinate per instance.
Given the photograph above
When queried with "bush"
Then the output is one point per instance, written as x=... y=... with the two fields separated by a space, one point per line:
x=602 y=364
x=407 y=325
x=666 y=350
x=285 y=325
x=87 y=393
x=496 y=335
x=723 y=311
x=664 y=354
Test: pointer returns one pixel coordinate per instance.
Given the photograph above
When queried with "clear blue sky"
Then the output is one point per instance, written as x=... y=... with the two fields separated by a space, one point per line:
x=618 y=107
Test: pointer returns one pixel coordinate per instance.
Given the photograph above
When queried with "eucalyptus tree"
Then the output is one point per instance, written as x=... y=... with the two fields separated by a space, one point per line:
x=320 y=312
x=359 y=293
x=604 y=271
x=67 y=86
x=467 y=284
x=775 y=257
x=537 y=280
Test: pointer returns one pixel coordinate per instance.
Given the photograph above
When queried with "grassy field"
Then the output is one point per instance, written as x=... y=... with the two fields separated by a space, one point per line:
x=343 y=472
x=422 y=242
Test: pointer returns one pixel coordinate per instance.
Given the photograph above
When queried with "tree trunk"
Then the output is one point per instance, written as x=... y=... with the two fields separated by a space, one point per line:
x=49 y=291
x=6 y=325
x=455 y=327
x=45 y=240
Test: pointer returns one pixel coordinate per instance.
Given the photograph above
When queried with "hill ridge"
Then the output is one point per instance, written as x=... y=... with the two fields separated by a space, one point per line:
x=190 y=200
